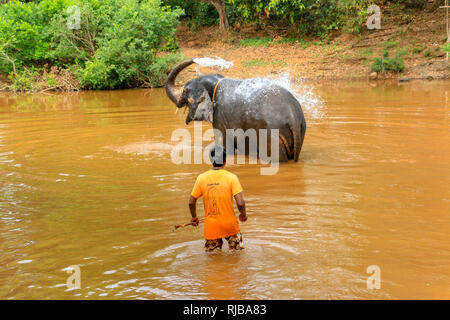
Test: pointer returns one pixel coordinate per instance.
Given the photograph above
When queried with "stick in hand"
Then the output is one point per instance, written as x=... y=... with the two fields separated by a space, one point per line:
x=177 y=226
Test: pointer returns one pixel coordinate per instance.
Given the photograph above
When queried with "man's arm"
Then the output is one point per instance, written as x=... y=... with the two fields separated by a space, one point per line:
x=241 y=206
x=193 y=209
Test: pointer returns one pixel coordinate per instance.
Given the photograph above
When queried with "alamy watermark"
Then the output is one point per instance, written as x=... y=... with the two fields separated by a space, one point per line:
x=74 y=280
x=190 y=150
x=374 y=280
x=374 y=20
x=73 y=21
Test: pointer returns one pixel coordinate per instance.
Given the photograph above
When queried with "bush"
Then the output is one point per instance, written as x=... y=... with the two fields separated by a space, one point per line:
x=25 y=80
x=203 y=13
x=314 y=17
x=385 y=63
x=157 y=74
x=116 y=46
x=24 y=32
x=126 y=37
x=34 y=79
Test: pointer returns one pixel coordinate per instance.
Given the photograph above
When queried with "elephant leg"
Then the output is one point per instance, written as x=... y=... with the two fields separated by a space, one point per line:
x=283 y=150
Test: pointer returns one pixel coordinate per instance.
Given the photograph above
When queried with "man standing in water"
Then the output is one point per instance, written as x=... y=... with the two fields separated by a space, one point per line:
x=218 y=187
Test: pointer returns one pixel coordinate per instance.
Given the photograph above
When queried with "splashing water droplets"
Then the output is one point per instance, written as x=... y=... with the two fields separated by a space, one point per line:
x=312 y=105
x=211 y=63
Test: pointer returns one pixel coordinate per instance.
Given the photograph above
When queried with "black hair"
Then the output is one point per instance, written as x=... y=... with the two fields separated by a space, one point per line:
x=218 y=155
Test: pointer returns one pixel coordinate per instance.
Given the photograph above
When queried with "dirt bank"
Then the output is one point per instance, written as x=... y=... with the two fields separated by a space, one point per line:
x=417 y=35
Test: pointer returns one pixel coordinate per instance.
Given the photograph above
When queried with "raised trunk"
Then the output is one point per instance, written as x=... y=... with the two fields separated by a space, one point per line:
x=170 y=83
x=223 y=20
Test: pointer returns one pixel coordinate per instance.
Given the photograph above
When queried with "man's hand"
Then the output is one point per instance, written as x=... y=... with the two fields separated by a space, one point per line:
x=241 y=206
x=243 y=218
x=193 y=209
x=194 y=221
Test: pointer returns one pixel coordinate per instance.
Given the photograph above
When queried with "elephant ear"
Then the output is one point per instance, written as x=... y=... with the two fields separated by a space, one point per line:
x=205 y=108
x=211 y=108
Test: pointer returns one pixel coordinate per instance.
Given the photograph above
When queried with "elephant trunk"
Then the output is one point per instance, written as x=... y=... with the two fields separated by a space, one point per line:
x=170 y=83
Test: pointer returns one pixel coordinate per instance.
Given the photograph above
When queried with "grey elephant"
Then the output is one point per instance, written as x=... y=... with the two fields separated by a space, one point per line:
x=242 y=104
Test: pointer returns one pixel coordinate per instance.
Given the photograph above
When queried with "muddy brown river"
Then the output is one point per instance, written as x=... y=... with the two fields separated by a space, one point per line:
x=87 y=179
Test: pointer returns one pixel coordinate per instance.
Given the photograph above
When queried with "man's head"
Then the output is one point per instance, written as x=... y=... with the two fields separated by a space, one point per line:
x=218 y=156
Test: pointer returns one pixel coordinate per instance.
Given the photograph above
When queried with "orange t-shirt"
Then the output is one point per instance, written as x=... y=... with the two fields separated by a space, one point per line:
x=218 y=188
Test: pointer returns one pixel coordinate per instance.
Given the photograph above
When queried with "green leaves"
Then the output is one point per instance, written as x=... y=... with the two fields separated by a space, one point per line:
x=385 y=63
x=446 y=47
x=127 y=46
x=115 y=46
x=314 y=17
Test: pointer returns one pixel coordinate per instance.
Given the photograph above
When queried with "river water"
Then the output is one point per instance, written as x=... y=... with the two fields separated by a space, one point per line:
x=87 y=179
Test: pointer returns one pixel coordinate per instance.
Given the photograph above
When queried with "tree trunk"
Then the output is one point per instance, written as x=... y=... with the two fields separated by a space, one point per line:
x=223 y=20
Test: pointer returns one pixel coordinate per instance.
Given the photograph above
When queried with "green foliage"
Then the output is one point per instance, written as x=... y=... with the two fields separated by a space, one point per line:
x=446 y=47
x=25 y=80
x=254 y=63
x=314 y=17
x=196 y=12
x=126 y=35
x=96 y=75
x=402 y=53
x=256 y=42
x=262 y=63
x=117 y=44
x=157 y=74
x=367 y=52
x=385 y=63
x=295 y=41
x=391 y=44
x=202 y=13
x=24 y=33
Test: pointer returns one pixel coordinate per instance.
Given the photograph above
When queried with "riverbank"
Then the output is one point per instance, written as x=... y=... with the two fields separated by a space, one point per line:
x=408 y=46
x=416 y=37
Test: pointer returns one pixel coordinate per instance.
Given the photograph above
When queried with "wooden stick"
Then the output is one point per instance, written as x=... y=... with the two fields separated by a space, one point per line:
x=177 y=226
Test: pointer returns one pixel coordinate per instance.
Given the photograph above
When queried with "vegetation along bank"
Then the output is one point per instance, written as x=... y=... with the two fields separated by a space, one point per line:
x=112 y=44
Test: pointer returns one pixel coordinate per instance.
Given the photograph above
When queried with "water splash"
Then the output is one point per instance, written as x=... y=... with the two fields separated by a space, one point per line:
x=312 y=104
x=218 y=63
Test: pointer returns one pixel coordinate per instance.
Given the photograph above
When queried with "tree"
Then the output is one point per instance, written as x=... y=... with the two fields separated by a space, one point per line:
x=223 y=20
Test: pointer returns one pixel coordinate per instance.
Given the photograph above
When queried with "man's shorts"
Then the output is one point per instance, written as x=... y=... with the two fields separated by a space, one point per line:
x=234 y=243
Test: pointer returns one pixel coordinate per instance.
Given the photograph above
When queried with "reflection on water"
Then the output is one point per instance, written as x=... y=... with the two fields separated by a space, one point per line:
x=86 y=179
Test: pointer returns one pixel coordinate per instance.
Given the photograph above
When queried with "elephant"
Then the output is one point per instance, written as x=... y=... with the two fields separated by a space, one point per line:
x=242 y=104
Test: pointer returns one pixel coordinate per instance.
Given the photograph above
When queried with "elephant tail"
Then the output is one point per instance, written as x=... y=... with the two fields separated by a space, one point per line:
x=298 y=129
x=297 y=146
